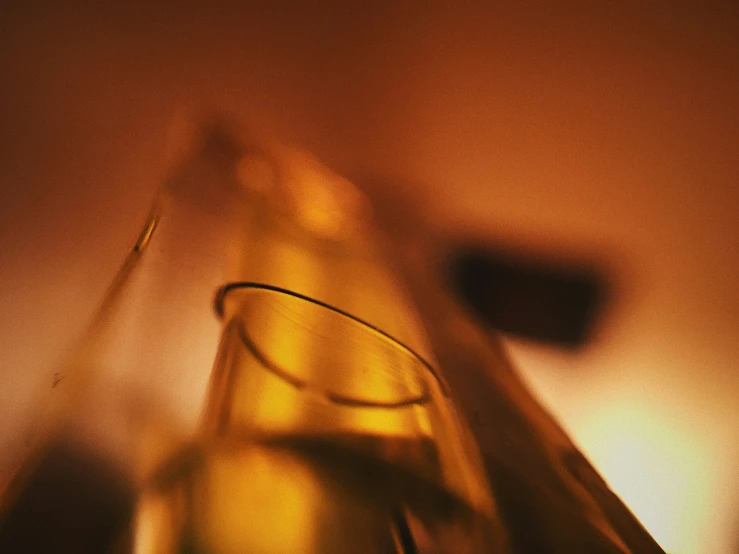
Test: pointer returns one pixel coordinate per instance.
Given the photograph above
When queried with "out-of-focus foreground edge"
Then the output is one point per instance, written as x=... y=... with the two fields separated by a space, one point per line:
x=548 y=495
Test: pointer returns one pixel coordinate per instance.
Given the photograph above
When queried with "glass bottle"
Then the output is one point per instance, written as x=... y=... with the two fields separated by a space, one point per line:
x=259 y=380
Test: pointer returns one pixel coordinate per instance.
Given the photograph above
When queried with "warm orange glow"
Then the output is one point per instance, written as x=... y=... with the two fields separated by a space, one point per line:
x=277 y=405
x=602 y=127
x=660 y=471
x=323 y=203
x=258 y=501
x=669 y=462
x=156 y=522
x=256 y=174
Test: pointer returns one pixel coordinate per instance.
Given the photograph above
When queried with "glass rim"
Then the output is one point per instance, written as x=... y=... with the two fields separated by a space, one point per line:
x=224 y=290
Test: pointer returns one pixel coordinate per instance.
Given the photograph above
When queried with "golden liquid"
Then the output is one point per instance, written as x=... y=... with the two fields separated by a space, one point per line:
x=330 y=494
x=320 y=435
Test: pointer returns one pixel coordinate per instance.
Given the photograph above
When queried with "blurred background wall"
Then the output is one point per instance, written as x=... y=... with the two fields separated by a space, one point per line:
x=604 y=132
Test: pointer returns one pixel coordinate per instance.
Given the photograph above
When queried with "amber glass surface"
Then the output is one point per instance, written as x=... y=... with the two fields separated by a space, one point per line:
x=303 y=414
x=321 y=434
